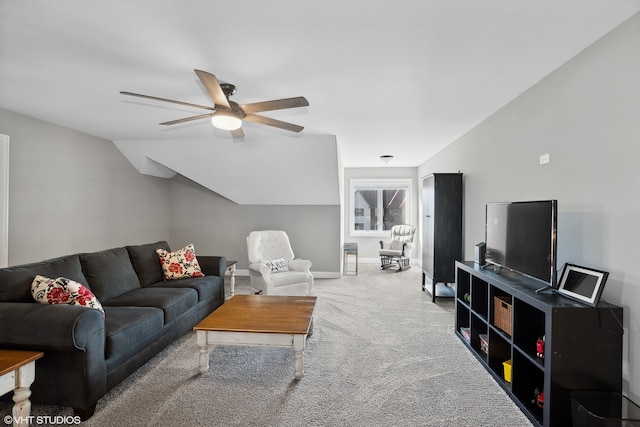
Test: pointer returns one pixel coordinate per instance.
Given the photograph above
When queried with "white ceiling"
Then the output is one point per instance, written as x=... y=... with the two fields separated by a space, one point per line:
x=404 y=78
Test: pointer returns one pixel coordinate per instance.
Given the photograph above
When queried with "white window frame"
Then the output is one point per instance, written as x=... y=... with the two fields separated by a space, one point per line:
x=377 y=184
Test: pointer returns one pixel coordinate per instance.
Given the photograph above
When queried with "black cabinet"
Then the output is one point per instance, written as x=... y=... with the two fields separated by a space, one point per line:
x=441 y=231
x=582 y=344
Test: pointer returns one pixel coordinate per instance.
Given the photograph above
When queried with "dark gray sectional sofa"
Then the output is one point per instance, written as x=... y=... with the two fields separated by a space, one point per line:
x=86 y=353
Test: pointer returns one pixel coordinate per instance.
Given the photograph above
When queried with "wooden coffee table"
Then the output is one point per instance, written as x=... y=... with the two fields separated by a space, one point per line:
x=258 y=320
x=17 y=372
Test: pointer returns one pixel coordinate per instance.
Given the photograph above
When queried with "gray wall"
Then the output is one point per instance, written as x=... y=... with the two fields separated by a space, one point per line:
x=586 y=116
x=70 y=192
x=218 y=226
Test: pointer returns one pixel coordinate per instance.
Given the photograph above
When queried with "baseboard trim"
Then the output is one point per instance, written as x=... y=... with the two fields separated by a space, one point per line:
x=316 y=274
x=413 y=261
x=326 y=274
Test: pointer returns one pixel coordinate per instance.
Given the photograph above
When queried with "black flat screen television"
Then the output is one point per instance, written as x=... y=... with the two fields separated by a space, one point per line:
x=521 y=236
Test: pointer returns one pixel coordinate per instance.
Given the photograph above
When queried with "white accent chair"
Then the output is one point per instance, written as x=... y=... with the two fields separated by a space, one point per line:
x=399 y=248
x=291 y=277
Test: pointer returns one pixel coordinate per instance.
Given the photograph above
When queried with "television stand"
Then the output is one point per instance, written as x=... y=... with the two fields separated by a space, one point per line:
x=501 y=317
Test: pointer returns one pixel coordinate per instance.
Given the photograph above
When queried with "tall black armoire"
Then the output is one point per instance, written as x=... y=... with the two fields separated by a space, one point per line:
x=441 y=232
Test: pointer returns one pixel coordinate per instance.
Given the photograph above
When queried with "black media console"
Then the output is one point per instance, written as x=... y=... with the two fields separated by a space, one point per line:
x=582 y=344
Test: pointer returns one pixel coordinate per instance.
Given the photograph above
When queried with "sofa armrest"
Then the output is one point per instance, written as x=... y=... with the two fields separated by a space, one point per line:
x=385 y=244
x=50 y=327
x=300 y=265
x=213 y=265
x=407 y=247
x=73 y=370
x=260 y=268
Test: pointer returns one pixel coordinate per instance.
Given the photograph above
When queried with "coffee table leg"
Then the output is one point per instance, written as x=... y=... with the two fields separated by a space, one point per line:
x=298 y=348
x=22 y=407
x=201 y=337
x=232 y=279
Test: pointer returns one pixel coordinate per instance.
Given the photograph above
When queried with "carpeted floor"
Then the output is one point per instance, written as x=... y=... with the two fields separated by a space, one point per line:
x=382 y=354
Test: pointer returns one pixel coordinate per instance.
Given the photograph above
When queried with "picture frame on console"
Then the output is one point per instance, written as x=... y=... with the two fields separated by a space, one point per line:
x=582 y=284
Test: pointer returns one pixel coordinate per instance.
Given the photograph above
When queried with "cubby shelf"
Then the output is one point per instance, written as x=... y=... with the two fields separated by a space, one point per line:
x=583 y=345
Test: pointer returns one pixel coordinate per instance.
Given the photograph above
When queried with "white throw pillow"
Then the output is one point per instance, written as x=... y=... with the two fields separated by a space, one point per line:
x=277 y=265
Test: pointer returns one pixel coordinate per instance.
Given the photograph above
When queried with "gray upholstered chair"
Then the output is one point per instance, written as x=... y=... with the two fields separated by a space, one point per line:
x=273 y=269
x=399 y=248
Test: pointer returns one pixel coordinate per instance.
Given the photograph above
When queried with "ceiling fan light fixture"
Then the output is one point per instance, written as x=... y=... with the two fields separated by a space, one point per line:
x=226 y=120
x=228 y=115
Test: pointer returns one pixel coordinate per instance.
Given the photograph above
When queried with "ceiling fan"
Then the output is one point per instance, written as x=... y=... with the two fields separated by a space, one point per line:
x=228 y=115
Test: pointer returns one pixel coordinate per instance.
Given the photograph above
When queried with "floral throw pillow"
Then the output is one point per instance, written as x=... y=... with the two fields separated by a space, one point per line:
x=63 y=291
x=179 y=264
x=278 y=264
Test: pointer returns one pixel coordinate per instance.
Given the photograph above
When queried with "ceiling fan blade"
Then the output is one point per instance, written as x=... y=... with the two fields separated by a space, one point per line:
x=273 y=122
x=213 y=88
x=237 y=133
x=167 y=100
x=277 y=104
x=187 y=119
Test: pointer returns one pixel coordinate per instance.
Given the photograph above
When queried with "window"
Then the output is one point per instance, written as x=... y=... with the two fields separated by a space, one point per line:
x=377 y=205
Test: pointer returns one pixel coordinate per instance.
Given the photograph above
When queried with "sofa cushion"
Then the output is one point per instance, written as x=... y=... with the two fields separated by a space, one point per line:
x=207 y=287
x=179 y=264
x=172 y=301
x=288 y=277
x=145 y=261
x=15 y=282
x=128 y=329
x=109 y=273
x=63 y=291
x=390 y=252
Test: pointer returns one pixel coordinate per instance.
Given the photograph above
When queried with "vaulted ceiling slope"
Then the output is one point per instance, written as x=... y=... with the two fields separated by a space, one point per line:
x=271 y=171
x=404 y=78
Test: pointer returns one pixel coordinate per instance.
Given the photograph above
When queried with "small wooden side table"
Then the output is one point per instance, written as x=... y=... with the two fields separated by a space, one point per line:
x=231 y=271
x=17 y=373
